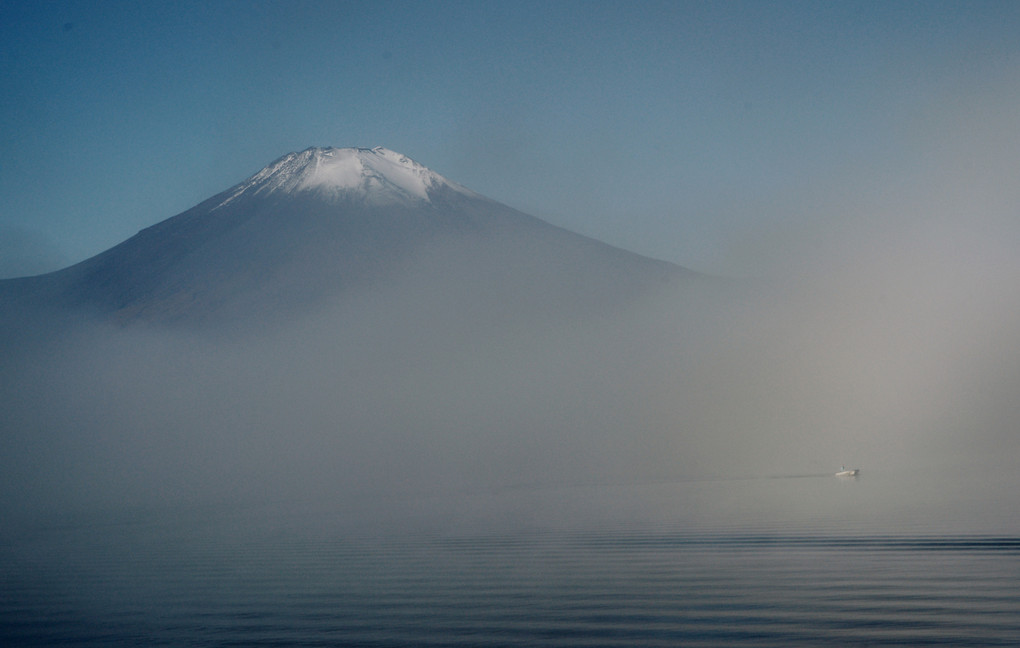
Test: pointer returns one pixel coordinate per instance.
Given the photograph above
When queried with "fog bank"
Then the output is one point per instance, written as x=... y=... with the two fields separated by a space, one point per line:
x=414 y=390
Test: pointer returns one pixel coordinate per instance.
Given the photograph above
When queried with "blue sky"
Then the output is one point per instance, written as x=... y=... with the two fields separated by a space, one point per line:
x=725 y=136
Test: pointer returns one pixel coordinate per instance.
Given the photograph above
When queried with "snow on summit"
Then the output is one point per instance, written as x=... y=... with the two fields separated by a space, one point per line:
x=376 y=176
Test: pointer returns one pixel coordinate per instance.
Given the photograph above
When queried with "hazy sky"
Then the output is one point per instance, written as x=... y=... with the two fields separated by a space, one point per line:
x=724 y=136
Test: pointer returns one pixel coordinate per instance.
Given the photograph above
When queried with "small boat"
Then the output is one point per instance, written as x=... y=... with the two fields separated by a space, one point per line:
x=848 y=472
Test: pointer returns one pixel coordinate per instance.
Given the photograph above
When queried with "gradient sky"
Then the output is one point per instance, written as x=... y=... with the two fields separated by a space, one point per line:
x=725 y=136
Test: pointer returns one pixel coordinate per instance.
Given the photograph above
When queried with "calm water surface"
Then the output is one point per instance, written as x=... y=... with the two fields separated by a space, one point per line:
x=754 y=562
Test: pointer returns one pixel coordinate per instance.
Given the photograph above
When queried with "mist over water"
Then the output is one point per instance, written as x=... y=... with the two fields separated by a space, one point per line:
x=429 y=386
x=430 y=460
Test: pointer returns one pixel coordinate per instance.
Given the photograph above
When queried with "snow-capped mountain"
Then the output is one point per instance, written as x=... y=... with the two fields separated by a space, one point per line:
x=323 y=221
x=376 y=176
x=342 y=322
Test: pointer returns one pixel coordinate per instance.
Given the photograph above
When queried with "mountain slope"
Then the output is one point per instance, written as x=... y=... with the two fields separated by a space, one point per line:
x=315 y=224
x=343 y=323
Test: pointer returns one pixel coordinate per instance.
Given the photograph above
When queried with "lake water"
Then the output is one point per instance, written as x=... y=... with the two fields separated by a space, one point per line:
x=782 y=561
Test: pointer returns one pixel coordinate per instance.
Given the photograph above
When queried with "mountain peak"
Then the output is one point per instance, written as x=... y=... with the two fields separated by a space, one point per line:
x=329 y=221
x=376 y=176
